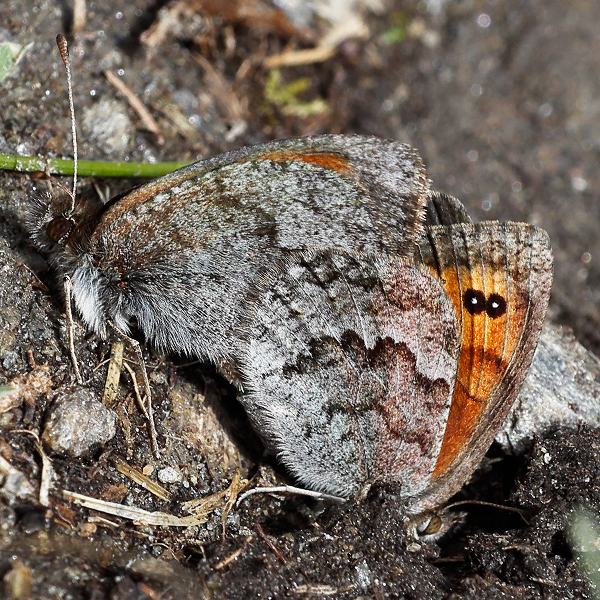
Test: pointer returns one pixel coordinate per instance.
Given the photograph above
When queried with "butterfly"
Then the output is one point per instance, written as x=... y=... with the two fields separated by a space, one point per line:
x=175 y=258
x=383 y=368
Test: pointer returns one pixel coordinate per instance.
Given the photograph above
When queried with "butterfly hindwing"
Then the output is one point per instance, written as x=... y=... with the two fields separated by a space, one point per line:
x=362 y=370
x=350 y=364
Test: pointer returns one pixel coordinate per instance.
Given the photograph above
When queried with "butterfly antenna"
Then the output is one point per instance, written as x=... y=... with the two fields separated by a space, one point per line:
x=63 y=48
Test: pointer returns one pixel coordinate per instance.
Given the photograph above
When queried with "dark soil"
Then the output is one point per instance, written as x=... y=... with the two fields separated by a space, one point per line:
x=505 y=117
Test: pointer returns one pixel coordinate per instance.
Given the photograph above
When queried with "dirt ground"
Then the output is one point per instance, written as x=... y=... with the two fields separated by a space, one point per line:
x=500 y=98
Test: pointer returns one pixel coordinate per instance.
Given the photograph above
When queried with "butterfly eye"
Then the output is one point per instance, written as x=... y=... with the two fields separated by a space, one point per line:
x=58 y=229
x=432 y=527
x=474 y=301
x=495 y=306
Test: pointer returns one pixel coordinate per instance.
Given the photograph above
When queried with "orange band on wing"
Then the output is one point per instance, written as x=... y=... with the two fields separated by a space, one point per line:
x=489 y=338
x=491 y=325
x=462 y=421
x=334 y=162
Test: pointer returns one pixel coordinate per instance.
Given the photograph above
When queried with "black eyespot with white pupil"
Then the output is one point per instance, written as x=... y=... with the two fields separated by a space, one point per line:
x=495 y=306
x=475 y=303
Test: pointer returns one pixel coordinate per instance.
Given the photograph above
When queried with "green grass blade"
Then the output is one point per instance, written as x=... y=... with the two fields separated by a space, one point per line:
x=87 y=168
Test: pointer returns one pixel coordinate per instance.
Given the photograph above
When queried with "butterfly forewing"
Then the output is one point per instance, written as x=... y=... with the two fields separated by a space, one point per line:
x=179 y=254
x=498 y=276
x=442 y=209
x=350 y=192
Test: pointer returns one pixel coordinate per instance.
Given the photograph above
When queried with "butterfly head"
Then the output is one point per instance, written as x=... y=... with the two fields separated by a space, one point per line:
x=58 y=220
x=431 y=526
x=57 y=224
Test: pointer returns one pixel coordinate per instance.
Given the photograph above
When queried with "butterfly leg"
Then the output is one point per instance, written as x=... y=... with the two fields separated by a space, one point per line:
x=68 y=288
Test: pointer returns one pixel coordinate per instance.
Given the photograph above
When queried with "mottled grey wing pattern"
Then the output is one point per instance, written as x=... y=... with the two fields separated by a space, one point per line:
x=361 y=194
x=179 y=254
x=498 y=276
x=349 y=364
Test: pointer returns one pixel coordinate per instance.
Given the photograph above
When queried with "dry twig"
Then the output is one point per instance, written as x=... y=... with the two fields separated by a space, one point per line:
x=269 y=543
x=147 y=119
x=113 y=375
x=154 y=488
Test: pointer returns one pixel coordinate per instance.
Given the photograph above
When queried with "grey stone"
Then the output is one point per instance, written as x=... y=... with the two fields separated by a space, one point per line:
x=78 y=422
x=562 y=389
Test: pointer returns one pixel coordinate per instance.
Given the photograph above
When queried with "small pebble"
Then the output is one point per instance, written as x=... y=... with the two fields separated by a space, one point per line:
x=78 y=422
x=169 y=475
x=108 y=124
